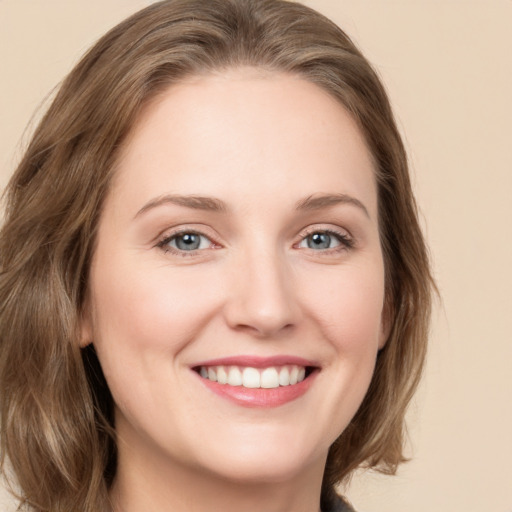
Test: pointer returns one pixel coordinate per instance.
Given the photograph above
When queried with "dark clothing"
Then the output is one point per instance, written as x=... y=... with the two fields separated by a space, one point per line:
x=340 y=506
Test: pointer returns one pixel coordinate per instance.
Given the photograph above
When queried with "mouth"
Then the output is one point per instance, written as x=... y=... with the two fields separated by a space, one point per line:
x=258 y=382
x=255 y=378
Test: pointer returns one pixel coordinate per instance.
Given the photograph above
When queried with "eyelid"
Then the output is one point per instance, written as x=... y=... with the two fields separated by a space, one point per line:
x=344 y=237
x=169 y=234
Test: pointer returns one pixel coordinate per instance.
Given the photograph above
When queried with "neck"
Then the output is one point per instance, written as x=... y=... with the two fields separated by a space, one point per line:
x=161 y=486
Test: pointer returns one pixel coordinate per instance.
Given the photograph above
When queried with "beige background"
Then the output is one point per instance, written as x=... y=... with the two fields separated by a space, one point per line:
x=447 y=66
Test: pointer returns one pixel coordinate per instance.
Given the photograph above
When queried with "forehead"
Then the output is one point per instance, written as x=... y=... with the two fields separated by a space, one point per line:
x=249 y=130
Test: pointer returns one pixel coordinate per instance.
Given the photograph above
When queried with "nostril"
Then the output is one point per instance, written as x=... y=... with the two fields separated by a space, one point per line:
x=261 y=307
x=264 y=329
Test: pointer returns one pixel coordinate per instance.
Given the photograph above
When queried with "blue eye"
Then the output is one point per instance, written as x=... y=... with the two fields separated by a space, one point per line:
x=325 y=240
x=320 y=241
x=186 y=242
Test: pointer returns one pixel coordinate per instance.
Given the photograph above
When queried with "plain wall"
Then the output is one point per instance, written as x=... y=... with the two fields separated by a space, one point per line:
x=447 y=67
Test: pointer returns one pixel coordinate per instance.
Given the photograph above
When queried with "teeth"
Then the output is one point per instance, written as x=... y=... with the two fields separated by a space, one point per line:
x=234 y=376
x=294 y=374
x=222 y=376
x=284 y=376
x=249 y=377
x=269 y=378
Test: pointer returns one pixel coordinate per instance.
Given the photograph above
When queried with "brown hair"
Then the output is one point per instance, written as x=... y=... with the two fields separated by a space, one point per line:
x=56 y=410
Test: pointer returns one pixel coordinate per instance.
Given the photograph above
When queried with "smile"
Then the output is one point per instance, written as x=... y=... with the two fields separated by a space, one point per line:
x=251 y=381
x=253 y=378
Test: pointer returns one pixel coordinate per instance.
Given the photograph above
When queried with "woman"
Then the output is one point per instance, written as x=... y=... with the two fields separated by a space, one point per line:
x=215 y=293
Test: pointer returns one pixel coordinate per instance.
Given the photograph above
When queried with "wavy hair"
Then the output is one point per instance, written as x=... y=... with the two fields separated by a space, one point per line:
x=57 y=428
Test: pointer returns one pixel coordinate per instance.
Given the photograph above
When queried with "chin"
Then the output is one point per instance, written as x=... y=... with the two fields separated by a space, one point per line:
x=269 y=457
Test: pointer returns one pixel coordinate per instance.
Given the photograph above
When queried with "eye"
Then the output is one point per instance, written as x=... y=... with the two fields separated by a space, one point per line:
x=323 y=240
x=185 y=241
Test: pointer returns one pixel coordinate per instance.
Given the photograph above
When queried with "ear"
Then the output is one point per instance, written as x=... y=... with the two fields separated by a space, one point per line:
x=386 y=322
x=85 y=325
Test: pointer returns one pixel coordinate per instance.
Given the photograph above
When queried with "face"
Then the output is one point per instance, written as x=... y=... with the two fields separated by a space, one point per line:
x=237 y=288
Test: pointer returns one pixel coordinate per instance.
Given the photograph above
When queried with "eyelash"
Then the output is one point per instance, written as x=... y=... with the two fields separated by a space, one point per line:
x=345 y=241
x=166 y=248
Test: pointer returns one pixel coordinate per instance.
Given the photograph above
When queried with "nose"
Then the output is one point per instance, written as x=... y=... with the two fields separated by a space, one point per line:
x=261 y=297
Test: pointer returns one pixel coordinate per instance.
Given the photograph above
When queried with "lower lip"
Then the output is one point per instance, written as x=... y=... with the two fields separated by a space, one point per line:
x=260 y=397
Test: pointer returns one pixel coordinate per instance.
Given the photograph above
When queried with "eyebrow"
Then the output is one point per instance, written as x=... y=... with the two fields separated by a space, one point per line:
x=212 y=204
x=209 y=204
x=318 y=202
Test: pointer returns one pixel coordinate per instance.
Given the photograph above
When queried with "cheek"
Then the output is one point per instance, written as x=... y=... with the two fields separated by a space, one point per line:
x=348 y=304
x=158 y=309
x=143 y=319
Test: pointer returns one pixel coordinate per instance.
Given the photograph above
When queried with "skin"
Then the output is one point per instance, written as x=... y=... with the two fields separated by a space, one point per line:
x=261 y=143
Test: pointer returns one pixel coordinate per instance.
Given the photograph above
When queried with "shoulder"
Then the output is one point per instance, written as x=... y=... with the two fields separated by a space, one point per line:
x=340 y=506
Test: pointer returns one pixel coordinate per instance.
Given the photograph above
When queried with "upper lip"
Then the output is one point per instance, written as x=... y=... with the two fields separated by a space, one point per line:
x=258 y=361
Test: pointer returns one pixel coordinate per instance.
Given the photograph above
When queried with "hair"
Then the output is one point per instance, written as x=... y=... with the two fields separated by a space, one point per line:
x=57 y=425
